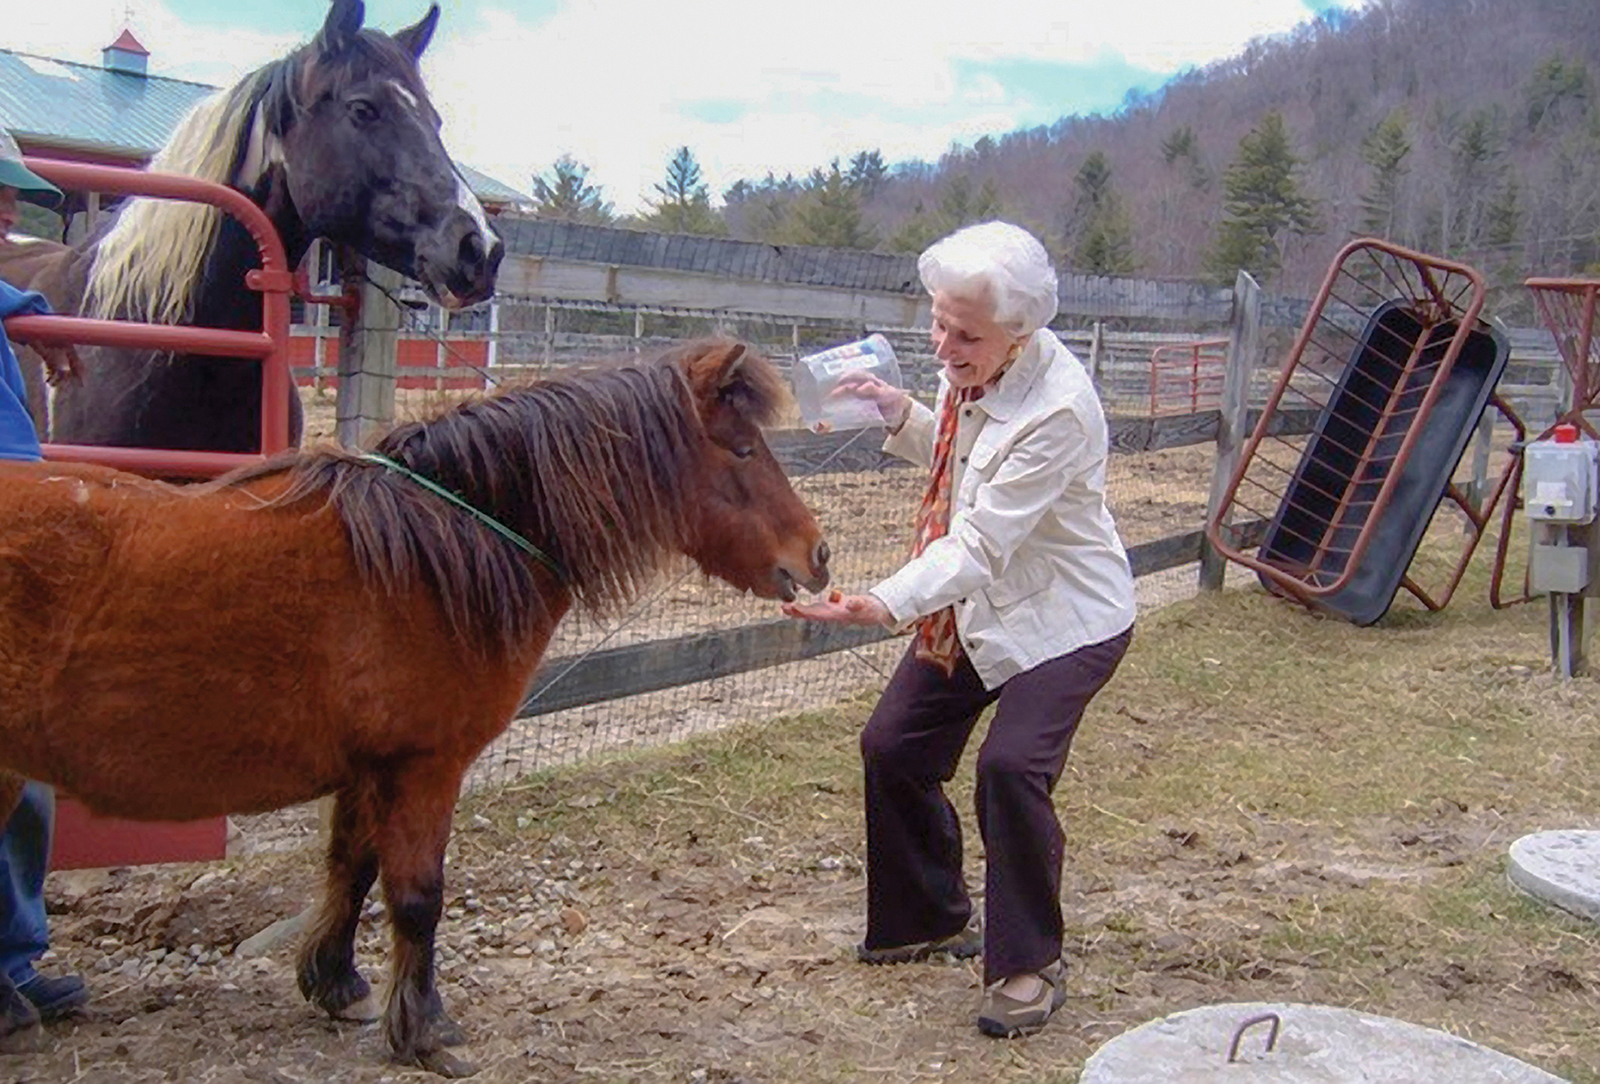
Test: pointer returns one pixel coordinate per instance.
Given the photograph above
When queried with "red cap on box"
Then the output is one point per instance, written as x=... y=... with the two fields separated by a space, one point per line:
x=1566 y=433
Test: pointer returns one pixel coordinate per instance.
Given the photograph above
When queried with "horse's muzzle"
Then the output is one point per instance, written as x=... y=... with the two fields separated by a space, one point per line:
x=461 y=266
x=813 y=578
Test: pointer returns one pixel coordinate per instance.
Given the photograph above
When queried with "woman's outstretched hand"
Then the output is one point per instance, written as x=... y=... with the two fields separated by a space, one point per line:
x=893 y=403
x=842 y=609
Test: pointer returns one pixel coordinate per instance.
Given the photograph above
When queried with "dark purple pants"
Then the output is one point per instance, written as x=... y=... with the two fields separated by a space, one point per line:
x=910 y=749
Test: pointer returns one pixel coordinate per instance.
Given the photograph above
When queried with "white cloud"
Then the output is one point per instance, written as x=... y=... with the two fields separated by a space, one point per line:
x=79 y=29
x=616 y=83
x=607 y=80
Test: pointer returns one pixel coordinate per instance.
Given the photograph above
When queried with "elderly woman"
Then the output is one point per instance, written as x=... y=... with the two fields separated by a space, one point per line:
x=1021 y=597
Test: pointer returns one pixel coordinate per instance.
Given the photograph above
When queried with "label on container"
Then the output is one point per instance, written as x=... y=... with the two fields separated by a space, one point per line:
x=846 y=364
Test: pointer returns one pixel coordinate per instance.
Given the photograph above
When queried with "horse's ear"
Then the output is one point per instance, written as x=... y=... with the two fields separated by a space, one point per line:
x=341 y=26
x=731 y=366
x=414 y=39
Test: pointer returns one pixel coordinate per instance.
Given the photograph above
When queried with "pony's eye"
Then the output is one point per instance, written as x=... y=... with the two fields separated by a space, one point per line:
x=362 y=111
x=744 y=451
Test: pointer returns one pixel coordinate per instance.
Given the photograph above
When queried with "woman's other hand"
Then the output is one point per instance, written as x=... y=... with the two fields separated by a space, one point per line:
x=893 y=403
x=841 y=609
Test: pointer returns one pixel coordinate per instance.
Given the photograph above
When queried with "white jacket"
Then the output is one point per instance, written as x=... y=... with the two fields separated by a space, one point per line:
x=1032 y=561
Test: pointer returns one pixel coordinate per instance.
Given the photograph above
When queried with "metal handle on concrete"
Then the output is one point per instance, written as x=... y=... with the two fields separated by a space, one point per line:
x=1238 y=1034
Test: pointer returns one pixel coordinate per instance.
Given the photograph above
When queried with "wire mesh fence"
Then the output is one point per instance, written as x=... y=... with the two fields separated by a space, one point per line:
x=865 y=504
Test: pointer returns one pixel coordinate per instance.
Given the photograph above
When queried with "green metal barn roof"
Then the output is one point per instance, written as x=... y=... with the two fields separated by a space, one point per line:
x=83 y=107
x=60 y=104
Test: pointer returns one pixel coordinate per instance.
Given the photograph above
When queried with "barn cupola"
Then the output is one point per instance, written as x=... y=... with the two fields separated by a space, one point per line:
x=126 y=55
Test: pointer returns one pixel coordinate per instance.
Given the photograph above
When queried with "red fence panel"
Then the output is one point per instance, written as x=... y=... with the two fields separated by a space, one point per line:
x=82 y=839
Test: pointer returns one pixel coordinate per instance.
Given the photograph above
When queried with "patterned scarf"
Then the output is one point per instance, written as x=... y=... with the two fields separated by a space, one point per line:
x=936 y=634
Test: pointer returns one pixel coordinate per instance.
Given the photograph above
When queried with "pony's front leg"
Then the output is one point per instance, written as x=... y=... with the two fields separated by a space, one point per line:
x=411 y=848
x=327 y=966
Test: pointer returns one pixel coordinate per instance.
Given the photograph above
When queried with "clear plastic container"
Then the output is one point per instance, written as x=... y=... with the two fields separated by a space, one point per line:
x=817 y=375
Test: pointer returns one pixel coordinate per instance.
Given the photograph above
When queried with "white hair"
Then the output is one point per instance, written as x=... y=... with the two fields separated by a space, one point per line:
x=997 y=261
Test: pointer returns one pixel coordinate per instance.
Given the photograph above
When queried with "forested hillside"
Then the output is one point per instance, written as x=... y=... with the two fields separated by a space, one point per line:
x=1466 y=128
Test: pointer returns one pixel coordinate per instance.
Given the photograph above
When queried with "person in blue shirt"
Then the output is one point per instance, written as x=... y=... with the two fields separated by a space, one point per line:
x=25 y=839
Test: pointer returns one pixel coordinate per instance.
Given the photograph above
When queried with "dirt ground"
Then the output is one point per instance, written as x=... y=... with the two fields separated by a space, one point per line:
x=689 y=914
x=1236 y=832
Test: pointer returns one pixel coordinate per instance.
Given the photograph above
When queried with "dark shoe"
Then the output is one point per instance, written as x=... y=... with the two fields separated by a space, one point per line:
x=1005 y=1017
x=961 y=945
x=57 y=997
x=20 y=1032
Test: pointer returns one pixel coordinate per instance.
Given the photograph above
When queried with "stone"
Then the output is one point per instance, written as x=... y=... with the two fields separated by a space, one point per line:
x=1560 y=867
x=1315 y=1044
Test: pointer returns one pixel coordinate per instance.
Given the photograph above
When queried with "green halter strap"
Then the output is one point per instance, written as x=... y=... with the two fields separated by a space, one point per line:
x=482 y=517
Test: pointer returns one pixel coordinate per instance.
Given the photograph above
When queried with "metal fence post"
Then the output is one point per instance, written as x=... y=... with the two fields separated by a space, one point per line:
x=1244 y=337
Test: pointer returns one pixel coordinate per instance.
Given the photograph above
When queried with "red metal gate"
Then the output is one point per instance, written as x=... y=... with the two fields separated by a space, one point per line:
x=81 y=839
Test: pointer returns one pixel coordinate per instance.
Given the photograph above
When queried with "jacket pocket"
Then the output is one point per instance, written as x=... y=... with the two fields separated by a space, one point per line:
x=1018 y=583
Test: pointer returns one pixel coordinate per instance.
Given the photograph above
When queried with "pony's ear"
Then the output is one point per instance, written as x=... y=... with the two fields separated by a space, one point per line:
x=414 y=39
x=730 y=368
x=341 y=26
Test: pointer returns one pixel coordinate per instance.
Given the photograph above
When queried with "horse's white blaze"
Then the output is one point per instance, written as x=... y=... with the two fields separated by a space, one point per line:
x=404 y=95
x=469 y=203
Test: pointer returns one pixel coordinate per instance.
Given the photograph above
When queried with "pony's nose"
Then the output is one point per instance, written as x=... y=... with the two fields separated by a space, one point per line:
x=819 y=566
x=819 y=557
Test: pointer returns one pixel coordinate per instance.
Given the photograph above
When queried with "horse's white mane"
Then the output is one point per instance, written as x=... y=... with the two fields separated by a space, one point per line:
x=149 y=263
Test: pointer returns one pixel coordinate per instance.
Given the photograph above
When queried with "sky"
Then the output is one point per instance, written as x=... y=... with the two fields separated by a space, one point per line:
x=749 y=87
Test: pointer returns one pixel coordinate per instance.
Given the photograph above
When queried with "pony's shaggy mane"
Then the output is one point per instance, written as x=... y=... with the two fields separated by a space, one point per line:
x=590 y=467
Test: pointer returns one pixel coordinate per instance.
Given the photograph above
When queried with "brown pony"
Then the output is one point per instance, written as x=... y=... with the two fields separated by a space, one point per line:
x=329 y=623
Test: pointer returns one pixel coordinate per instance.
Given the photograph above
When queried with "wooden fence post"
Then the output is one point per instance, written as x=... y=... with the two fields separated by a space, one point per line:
x=1244 y=337
x=367 y=342
x=1096 y=348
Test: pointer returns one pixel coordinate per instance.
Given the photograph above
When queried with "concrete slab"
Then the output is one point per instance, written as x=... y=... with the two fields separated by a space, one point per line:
x=1315 y=1044
x=1560 y=867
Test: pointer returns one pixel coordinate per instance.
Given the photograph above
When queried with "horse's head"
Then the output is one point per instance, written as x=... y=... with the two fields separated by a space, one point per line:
x=364 y=163
x=750 y=527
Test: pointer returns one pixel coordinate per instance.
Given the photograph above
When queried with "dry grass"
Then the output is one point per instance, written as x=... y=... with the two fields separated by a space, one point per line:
x=1264 y=805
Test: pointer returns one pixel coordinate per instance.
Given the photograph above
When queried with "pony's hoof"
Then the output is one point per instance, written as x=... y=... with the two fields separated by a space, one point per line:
x=363 y=1010
x=445 y=1031
x=340 y=998
x=446 y=1064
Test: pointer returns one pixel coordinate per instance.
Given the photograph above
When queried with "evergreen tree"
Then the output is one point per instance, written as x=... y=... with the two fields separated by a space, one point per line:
x=917 y=232
x=567 y=195
x=1098 y=232
x=683 y=201
x=1502 y=224
x=1182 y=149
x=1476 y=164
x=829 y=213
x=1385 y=150
x=868 y=173
x=1559 y=89
x=958 y=206
x=1262 y=204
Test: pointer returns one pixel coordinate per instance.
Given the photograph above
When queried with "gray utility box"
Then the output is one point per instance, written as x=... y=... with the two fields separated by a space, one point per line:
x=1558 y=480
x=1560 y=492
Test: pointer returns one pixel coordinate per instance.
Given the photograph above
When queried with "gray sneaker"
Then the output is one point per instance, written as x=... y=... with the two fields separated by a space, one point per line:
x=961 y=945
x=1003 y=1017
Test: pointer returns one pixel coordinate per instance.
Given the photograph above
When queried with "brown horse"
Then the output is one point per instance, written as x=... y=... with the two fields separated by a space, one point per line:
x=338 y=139
x=331 y=623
